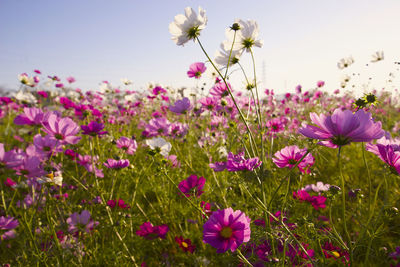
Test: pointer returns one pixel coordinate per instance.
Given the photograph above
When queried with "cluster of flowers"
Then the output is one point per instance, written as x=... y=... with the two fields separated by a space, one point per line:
x=236 y=163
x=318 y=202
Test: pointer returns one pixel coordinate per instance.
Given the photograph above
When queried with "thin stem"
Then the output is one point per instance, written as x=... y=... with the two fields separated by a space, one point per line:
x=260 y=121
x=369 y=180
x=230 y=54
x=252 y=140
x=344 y=206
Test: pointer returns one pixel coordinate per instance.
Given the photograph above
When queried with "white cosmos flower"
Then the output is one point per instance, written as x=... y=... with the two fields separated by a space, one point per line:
x=130 y=97
x=346 y=78
x=105 y=88
x=24 y=79
x=246 y=36
x=126 y=81
x=187 y=27
x=222 y=55
x=25 y=97
x=377 y=56
x=345 y=62
x=55 y=178
x=159 y=143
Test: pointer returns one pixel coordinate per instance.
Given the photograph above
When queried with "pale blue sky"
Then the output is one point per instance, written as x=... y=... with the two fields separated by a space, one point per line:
x=108 y=40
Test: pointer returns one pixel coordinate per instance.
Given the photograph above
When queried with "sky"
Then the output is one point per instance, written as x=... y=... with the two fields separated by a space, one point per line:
x=96 y=40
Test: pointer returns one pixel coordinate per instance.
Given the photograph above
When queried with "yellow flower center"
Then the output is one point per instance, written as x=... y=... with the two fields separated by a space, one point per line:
x=226 y=232
x=336 y=254
x=184 y=244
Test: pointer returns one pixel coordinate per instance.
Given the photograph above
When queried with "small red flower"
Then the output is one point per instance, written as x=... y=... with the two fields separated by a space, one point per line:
x=185 y=244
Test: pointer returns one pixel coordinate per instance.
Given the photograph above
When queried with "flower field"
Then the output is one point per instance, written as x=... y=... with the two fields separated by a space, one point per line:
x=221 y=177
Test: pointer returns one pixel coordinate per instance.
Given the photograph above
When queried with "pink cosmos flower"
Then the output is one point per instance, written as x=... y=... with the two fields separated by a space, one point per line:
x=93 y=128
x=181 y=106
x=236 y=163
x=10 y=183
x=43 y=94
x=67 y=103
x=7 y=224
x=46 y=146
x=209 y=102
x=206 y=208
x=342 y=128
x=227 y=229
x=156 y=127
x=320 y=84
x=70 y=79
x=318 y=202
x=117 y=164
x=86 y=161
x=331 y=251
x=31 y=116
x=220 y=90
x=178 y=129
x=275 y=126
x=159 y=90
x=196 y=69
x=388 y=150
x=148 y=231
x=192 y=186
x=127 y=144
x=390 y=154
x=10 y=158
x=218 y=166
x=121 y=203
x=81 y=222
x=63 y=129
x=30 y=167
x=239 y=163
x=290 y=155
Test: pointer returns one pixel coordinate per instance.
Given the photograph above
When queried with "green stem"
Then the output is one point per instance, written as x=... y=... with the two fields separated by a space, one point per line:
x=369 y=180
x=230 y=54
x=252 y=140
x=344 y=207
x=258 y=109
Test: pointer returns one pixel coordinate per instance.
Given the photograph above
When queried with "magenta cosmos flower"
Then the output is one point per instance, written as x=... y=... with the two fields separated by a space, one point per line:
x=93 y=128
x=7 y=224
x=342 y=128
x=148 y=231
x=63 y=129
x=290 y=155
x=227 y=229
x=192 y=186
x=318 y=202
x=196 y=69
x=117 y=164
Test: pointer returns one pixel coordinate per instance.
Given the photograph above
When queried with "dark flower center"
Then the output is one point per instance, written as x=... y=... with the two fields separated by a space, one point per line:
x=248 y=43
x=292 y=161
x=193 y=32
x=59 y=136
x=226 y=232
x=340 y=140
